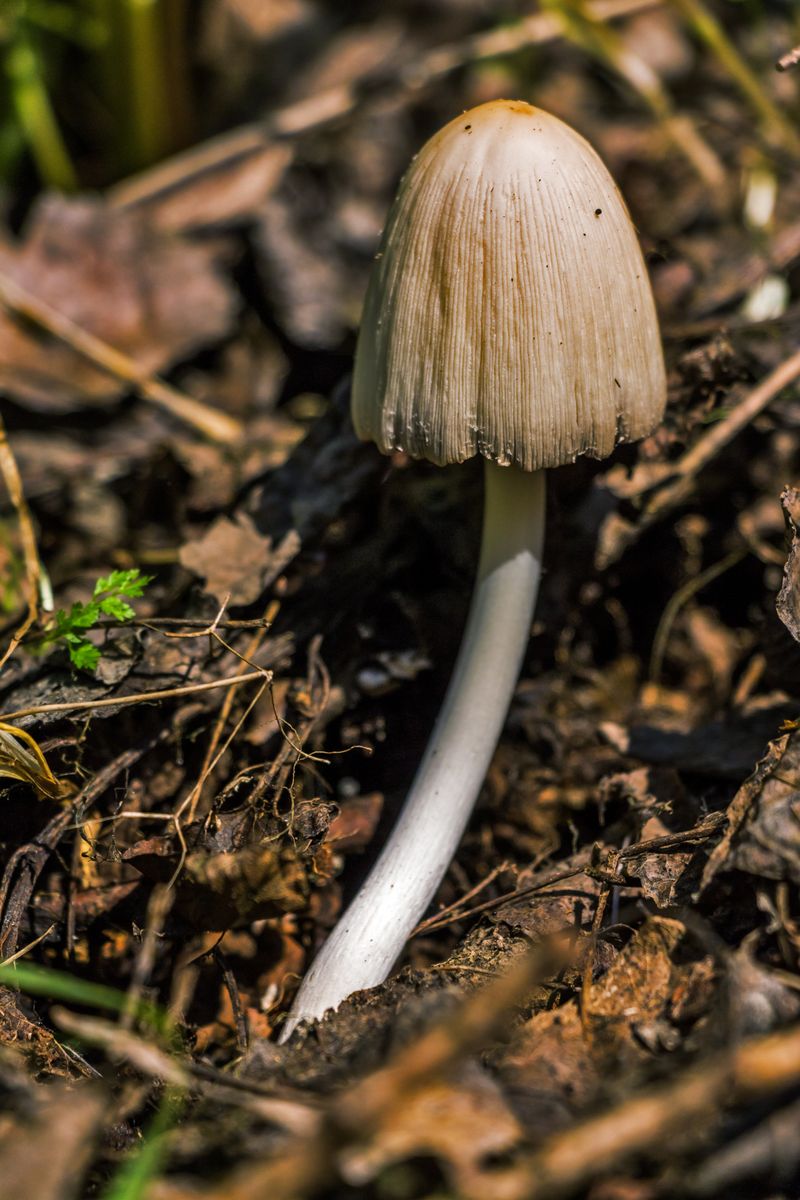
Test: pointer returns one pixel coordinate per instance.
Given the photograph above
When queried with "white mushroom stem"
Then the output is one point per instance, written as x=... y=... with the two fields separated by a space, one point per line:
x=370 y=936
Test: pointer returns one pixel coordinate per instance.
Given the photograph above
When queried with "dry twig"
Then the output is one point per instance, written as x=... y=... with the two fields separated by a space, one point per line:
x=681 y=482
x=138 y=698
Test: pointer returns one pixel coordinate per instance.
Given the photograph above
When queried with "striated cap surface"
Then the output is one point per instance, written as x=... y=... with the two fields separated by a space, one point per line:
x=509 y=311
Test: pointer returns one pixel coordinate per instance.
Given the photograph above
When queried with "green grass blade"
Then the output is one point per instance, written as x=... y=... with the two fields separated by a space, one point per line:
x=59 y=985
x=35 y=115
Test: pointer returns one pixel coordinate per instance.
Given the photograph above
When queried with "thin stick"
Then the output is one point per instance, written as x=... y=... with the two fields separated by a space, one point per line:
x=742 y=415
x=217 y=426
x=245 y=660
x=33 y=568
x=267 y=677
x=138 y=698
x=232 y=988
x=453 y=911
x=197 y=623
x=12 y=958
x=197 y=626
x=695 y=836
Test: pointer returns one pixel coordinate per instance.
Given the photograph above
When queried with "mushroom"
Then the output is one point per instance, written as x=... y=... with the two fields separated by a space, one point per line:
x=509 y=314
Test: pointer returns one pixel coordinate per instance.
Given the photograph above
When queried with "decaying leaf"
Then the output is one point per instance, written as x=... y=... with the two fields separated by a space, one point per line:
x=354 y=825
x=67 y=1123
x=154 y=297
x=742 y=804
x=220 y=198
x=463 y=1121
x=214 y=891
x=624 y=1008
x=232 y=557
x=788 y=601
x=21 y=758
x=768 y=844
x=548 y=1071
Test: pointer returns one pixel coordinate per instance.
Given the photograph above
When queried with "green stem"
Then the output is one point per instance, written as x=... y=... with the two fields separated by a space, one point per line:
x=149 y=74
x=708 y=29
x=36 y=117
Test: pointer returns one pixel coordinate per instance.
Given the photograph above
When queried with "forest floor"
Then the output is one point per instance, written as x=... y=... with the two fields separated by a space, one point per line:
x=200 y=763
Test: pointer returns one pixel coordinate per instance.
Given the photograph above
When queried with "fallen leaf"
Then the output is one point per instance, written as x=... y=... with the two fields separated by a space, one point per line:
x=45 y=1154
x=215 y=891
x=155 y=298
x=626 y=1005
x=768 y=844
x=788 y=601
x=548 y=1072
x=355 y=825
x=218 y=199
x=464 y=1122
x=232 y=557
x=740 y=807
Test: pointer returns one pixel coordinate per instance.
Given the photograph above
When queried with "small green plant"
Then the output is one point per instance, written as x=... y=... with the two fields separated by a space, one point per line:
x=110 y=598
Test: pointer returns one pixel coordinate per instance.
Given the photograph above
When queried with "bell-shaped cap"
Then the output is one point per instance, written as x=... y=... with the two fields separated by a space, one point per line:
x=509 y=311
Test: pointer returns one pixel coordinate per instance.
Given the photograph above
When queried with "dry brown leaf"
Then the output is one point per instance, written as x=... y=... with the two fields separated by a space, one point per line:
x=221 y=198
x=355 y=825
x=663 y=876
x=232 y=558
x=741 y=806
x=44 y=1156
x=548 y=1072
x=788 y=601
x=625 y=1006
x=462 y=1121
x=769 y=842
x=153 y=297
x=215 y=891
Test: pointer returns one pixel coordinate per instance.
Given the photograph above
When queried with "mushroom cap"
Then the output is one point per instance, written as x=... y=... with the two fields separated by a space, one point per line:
x=509 y=311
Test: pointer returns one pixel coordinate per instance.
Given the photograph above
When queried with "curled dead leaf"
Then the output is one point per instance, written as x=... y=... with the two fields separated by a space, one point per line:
x=21 y=758
x=788 y=600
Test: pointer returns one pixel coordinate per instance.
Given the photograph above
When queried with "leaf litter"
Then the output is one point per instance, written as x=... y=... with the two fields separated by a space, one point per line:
x=603 y=1000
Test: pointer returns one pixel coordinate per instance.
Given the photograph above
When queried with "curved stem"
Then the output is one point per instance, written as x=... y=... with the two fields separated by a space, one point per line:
x=369 y=937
